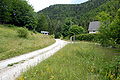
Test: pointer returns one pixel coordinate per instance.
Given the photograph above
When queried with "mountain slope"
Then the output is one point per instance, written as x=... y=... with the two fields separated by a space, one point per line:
x=74 y=11
x=79 y=14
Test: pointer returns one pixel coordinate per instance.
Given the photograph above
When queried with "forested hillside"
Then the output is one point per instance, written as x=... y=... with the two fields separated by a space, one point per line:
x=78 y=14
x=73 y=11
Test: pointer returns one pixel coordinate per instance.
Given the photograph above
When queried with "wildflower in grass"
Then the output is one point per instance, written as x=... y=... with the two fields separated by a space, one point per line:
x=52 y=77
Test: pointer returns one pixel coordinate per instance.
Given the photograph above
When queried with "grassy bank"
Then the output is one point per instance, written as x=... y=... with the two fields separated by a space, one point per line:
x=12 y=45
x=78 y=61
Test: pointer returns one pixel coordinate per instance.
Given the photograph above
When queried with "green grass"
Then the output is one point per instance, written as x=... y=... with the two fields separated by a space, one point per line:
x=78 y=61
x=12 y=45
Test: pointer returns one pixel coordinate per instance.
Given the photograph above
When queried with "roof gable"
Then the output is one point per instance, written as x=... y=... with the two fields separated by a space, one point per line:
x=94 y=25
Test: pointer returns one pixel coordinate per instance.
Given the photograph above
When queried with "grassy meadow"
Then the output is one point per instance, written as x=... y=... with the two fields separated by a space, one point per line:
x=12 y=45
x=78 y=61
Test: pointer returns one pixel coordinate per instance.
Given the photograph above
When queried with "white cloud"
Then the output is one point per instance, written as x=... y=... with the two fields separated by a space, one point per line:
x=41 y=4
x=78 y=1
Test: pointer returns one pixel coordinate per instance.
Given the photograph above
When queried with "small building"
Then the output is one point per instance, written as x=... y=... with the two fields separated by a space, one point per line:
x=94 y=26
x=45 y=32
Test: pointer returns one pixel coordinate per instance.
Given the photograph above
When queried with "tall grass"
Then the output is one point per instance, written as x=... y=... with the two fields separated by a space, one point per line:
x=12 y=45
x=78 y=61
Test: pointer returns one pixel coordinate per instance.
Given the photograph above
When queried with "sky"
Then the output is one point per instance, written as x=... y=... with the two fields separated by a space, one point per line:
x=41 y=4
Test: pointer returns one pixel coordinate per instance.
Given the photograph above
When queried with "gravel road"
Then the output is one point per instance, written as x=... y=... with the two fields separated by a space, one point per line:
x=22 y=63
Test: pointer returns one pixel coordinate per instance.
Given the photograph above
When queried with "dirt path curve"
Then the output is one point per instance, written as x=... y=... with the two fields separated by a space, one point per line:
x=21 y=63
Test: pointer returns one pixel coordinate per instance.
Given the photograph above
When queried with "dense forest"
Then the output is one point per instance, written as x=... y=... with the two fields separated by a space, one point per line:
x=77 y=14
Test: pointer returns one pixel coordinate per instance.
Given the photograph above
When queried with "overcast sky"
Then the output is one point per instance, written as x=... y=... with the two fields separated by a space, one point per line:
x=41 y=4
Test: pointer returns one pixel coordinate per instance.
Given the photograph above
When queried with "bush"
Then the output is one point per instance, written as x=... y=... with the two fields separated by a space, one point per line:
x=110 y=29
x=88 y=37
x=23 y=32
x=52 y=36
x=57 y=35
x=10 y=25
x=106 y=42
x=98 y=37
x=75 y=29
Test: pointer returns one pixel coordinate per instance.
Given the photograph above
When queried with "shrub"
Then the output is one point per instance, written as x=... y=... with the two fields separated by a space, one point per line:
x=75 y=29
x=110 y=29
x=88 y=37
x=57 y=35
x=52 y=36
x=23 y=32
x=10 y=25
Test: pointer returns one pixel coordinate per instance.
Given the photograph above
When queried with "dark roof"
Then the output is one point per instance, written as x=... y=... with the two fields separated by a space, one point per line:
x=94 y=25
